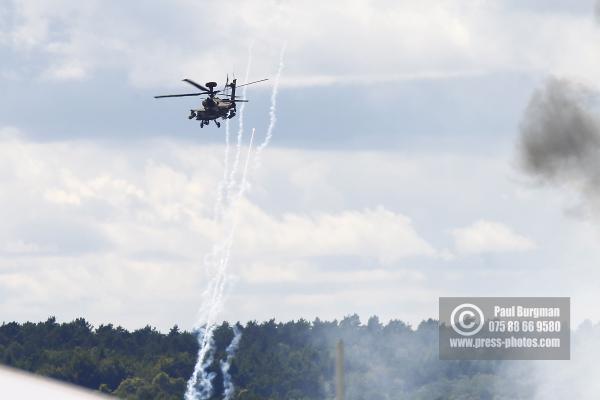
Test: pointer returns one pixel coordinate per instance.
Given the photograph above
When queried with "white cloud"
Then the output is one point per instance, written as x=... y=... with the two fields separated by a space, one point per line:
x=117 y=234
x=82 y=223
x=307 y=273
x=65 y=72
x=393 y=40
x=21 y=247
x=489 y=237
x=377 y=233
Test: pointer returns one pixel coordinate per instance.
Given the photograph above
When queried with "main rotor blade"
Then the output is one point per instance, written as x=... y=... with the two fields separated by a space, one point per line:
x=179 y=95
x=191 y=82
x=251 y=83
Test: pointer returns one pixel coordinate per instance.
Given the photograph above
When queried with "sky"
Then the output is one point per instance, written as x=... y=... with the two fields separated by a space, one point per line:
x=392 y=177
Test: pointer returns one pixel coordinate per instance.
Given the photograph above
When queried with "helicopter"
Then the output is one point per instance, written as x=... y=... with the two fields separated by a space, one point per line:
x=213 y=107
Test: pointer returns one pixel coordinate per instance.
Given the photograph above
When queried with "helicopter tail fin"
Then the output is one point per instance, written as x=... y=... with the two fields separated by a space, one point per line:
x=232 y=86
x=226 y=85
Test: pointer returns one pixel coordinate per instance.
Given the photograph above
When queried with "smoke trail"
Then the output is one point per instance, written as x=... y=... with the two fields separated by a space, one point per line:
x=228 y=387
x=573 y=379
x=224 y=261
x=236 y=161
x=199 y=385
x=272 y=109
x=204 y=383
x=228 y=243
x=231 y=183
x=220 y=280
x=218 y=212
x=234 y=209
x=560 y=139
x=244 y=183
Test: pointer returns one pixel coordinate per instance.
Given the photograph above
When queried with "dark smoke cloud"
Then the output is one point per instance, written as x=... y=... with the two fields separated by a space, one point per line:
x=560 y=139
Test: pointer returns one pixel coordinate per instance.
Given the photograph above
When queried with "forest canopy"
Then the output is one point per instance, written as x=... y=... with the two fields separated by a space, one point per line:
x=275 y=360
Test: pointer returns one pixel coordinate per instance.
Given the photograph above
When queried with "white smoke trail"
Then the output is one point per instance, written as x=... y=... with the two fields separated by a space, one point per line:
x=225 y=250
x=228 y=383
x=231 y=183
x=244 y=183
x=221 y=276
x=272 y=109
x=228 y=387
x=199 y=385
x=221 y=281
x=234 y=209
x=218 y=212
x=204 y=389
x=236 y=161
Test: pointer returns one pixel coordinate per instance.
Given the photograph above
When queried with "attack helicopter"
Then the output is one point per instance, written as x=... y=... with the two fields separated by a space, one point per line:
x=213 y=106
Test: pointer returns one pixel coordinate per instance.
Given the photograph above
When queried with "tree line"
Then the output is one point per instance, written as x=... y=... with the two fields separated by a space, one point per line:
x=275 y=360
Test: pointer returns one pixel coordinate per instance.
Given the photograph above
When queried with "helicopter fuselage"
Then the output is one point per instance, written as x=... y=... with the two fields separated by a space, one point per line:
x=212 y=109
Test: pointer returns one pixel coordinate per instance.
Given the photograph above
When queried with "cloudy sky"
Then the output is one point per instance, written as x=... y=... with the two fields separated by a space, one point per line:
x=392 y=177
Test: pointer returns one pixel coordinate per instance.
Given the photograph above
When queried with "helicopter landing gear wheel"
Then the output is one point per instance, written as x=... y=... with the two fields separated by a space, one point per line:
x=218 y=124
x=201 y=124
